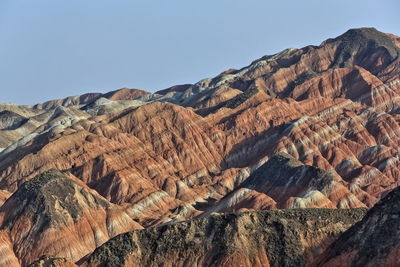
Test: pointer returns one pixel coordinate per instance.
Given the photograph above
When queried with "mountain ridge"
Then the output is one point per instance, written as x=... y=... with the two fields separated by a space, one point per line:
x=313 y=127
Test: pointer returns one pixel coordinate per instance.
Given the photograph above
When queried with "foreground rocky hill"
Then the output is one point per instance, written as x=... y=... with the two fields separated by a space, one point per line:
x=291 y=237
x=374 y=241
x=268 y=238
x=315 y=127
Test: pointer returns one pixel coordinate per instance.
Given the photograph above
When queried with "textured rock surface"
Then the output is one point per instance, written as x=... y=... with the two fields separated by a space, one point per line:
x=47 y=261
x=269 y=238
x=188 y=150
x=284 y=182
x=57 y=215
x=333 y=106
x=20 y=124
x=374 y=241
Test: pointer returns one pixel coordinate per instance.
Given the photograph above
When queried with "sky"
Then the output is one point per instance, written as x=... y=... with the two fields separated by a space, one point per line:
x=51 y=49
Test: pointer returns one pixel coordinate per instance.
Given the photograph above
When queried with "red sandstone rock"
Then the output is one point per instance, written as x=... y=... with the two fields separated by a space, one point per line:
x=372 y=242
x=333 y=106
x=55 y=215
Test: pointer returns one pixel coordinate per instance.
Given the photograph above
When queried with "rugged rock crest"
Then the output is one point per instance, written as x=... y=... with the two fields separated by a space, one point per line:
x=284 y=182
x=265 y=238
x=311 y=127
x=374 y=241
x=58 y=215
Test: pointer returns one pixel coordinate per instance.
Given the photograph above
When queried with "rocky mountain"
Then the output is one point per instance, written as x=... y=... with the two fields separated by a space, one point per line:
x=268 y=238
x=314 y=127
x=374 y=241
x=46 y=261
x=20 y=124
x=58 y=215
x=284 y=182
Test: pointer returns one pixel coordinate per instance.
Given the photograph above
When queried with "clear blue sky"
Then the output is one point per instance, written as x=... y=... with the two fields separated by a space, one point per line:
x=55 y=48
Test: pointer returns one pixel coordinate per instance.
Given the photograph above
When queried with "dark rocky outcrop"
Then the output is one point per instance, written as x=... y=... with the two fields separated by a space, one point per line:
x=356 y=45
x=275 y=238
x=284 y=182
x=374 y=241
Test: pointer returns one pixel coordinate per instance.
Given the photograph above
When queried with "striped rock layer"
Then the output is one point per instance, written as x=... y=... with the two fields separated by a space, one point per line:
x=312 y=127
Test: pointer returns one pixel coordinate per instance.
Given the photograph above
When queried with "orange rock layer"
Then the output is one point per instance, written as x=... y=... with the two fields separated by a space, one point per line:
x=191 y=150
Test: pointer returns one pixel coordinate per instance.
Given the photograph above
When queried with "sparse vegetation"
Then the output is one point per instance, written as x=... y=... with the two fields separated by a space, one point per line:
x=219 y=237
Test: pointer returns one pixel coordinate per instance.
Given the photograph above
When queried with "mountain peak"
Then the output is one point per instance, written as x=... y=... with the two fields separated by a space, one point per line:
x=124 y=94
x=360 y=33
x=51 y=206
x=194 y=150
x=356 y=44
x=365 y=31
x=371 y=36
x=43 y=195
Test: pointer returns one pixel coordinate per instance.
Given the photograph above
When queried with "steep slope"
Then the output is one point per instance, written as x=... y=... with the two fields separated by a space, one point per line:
x=335 y=112
x=124 y=94
x=283 y=182
x=4 y=195
x=188 y=150
x=116 y=157
x=19 y=124
x=10 y=120
x=269 y=238
x=374 y=241
x=332 y=106
x=79 y=100
x=327 y=69
x=47 y=261
x=57 y=215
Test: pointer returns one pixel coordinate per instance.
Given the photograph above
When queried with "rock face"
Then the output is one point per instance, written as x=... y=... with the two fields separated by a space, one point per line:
x=80 y=100
x=315 y=127
x=10 y=120
x=332 y=106
x=20 y=124
x=268 y=238
x=284 y=182
x=47 y=261
x=374 y=241
x=53 y=214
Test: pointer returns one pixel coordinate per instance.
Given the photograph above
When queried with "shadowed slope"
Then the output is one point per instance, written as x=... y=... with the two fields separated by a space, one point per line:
x=374 y=241
x=283 y=182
